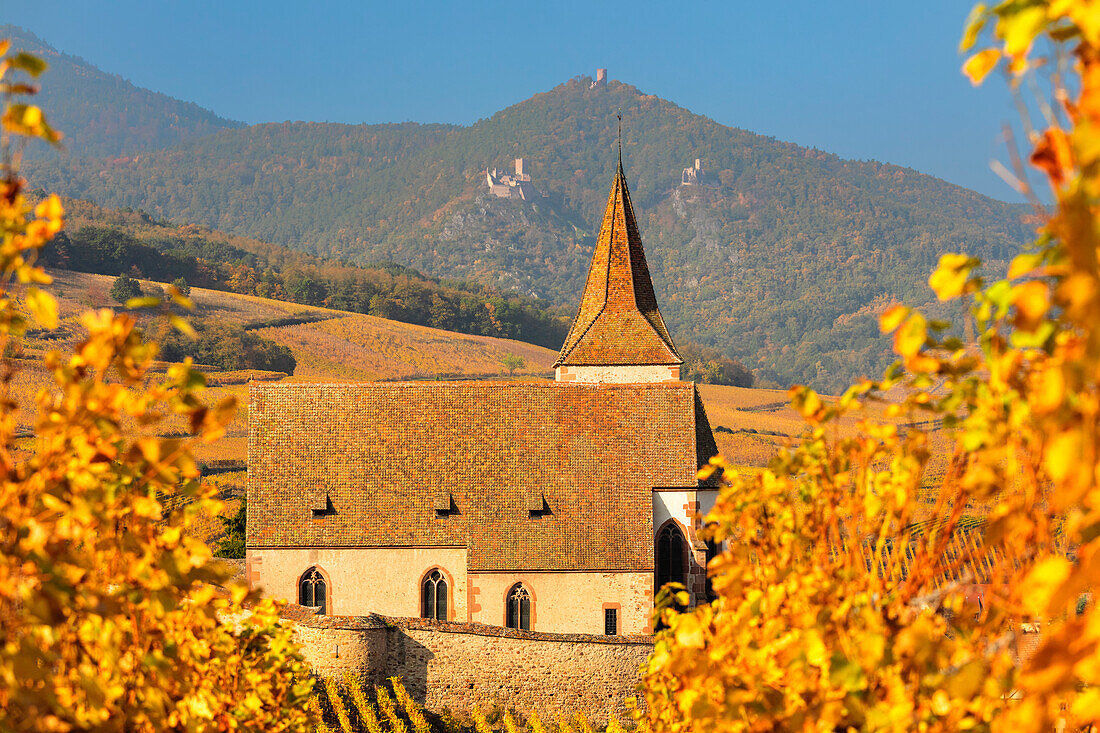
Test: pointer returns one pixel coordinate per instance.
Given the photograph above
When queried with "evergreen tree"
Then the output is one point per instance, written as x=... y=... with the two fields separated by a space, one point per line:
x=124 y=288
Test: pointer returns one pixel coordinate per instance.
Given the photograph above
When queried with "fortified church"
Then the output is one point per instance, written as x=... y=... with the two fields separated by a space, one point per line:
x=550 y=506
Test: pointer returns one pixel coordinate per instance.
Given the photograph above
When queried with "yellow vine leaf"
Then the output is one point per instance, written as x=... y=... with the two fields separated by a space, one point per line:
x=689 y=633
x=1019 y=29
x=973 y=27
x=1043 y=582
x=1062 y=454
x=1048 y=388
x=978 y=66
x=806 y=401
x=950 y=276
x=1024 y=264
x=911 y=336
x=43 y=307
x=1032 y=300
x=892 y=317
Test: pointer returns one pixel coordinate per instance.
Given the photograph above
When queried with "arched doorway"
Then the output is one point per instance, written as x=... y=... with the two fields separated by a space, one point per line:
x=671 y=556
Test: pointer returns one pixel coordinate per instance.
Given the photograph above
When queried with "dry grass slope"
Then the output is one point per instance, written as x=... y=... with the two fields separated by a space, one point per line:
x=366 y=348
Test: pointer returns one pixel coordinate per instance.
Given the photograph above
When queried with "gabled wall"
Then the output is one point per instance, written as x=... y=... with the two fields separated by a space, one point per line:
x=612 y=374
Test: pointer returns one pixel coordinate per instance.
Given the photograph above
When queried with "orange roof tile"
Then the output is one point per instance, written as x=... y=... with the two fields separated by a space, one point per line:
x=618 y=321
x=362 y=465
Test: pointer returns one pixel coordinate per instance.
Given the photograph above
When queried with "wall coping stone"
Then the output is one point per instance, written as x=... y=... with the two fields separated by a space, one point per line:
x=304 y=616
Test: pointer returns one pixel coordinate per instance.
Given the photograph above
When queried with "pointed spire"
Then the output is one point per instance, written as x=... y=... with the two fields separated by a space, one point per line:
x=620 y=116
x=618 y=322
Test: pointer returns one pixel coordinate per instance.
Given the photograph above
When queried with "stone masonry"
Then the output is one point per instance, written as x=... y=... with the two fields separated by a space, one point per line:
x=456 y=666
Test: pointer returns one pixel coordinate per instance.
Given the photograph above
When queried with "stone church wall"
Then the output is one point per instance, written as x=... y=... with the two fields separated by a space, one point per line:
x=567 y=602
x=457 y=666
x=362 y=580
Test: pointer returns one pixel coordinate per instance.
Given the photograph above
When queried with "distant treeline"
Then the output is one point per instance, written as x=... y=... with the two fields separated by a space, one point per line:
x=386 y=290
x=229 y=348
x=711 y=366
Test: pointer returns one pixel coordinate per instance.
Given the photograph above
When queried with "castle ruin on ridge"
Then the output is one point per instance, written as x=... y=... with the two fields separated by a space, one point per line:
x=505 y=186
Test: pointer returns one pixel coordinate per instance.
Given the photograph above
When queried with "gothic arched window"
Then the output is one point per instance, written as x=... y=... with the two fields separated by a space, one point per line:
x=670 y=556
x=519 y=608
x=312 y=590
x=433 y=596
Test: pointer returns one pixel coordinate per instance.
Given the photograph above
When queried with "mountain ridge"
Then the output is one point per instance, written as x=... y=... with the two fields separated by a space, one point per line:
x=781 y=264
x=125 y=118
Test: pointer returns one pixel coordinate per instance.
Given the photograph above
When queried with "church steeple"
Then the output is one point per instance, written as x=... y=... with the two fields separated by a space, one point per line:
x=618 y=334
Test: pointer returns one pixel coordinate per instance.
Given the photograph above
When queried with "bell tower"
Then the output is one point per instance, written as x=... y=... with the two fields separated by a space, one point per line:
x=618 y=334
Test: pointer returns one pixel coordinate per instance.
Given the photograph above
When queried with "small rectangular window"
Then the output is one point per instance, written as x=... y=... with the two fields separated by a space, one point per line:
x=610 y=621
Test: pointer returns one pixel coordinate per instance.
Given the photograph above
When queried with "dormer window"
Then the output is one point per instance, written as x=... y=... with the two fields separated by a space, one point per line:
x=537 y=506
x=444 y=504
x=324 y=510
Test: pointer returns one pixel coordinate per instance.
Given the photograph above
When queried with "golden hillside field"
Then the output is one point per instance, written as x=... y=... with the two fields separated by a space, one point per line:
x=340 y=346
x=750 y=425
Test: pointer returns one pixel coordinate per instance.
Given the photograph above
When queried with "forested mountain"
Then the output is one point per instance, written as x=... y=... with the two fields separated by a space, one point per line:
x=102 y=114
x=782 y=263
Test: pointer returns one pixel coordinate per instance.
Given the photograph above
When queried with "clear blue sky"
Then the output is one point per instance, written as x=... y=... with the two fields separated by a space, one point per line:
x=861 y=79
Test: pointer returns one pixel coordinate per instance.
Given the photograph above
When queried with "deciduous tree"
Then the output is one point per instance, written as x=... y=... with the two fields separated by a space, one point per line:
x=114 y=617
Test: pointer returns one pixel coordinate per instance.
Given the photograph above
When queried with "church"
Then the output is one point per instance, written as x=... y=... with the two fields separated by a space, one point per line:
x=556 y=506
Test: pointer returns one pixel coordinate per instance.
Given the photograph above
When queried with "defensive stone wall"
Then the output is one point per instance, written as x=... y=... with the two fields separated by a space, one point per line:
x=459 y=665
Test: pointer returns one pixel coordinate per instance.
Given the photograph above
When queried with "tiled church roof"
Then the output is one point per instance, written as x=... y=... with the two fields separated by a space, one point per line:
x=464 y=464
x=618 y=321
